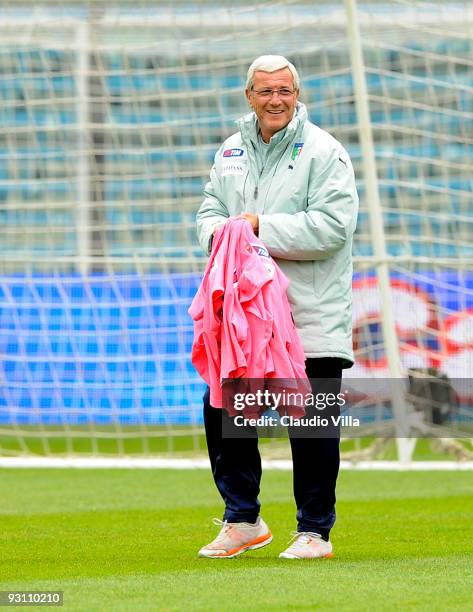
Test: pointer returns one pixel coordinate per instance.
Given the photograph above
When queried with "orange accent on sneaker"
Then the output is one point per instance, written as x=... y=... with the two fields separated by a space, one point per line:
x=246 y=546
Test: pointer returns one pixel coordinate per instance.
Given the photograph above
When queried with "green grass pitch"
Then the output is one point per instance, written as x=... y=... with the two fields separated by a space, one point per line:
x=128 y=540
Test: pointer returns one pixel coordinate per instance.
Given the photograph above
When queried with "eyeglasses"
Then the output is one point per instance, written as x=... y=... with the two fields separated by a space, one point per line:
x=284 y=92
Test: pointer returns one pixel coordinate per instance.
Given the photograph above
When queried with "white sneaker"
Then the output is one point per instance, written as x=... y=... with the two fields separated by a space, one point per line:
x=236 y=538
x=307 y=545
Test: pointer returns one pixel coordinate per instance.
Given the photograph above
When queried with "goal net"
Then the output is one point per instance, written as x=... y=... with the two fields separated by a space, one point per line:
x=111 y=115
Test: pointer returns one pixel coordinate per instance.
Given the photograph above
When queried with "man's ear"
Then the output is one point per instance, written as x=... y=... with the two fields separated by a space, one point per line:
x=249 y=97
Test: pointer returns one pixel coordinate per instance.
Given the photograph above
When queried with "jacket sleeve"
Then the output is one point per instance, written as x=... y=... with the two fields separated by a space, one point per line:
x=328 y=221
x=213 y=209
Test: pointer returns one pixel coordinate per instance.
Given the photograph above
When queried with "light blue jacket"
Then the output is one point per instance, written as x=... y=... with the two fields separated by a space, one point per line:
x=307 y=203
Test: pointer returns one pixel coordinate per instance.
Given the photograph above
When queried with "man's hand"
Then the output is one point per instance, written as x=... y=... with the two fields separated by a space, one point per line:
x=215 y=230
x=253 y=219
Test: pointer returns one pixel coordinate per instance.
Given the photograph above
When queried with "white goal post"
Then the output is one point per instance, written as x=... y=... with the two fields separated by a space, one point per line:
x=111 y=115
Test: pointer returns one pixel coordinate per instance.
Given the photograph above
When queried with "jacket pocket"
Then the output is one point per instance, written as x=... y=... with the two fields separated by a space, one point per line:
x=324 y=276
x=301 y=277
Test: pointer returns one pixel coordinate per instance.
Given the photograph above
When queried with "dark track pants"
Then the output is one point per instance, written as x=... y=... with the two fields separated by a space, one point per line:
x=236 y=463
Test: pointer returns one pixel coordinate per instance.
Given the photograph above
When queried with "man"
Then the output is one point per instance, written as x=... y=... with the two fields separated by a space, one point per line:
x=295 y=184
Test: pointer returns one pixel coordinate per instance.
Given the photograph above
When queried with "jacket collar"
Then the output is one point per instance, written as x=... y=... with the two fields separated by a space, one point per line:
x=248 y=125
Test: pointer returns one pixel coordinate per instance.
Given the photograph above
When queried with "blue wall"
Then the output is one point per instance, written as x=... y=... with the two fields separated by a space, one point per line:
x=117 y=349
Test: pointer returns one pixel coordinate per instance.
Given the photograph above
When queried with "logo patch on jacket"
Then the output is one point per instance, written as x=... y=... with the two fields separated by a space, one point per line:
x=233 y=153
x=235 y=167
x=296 y=150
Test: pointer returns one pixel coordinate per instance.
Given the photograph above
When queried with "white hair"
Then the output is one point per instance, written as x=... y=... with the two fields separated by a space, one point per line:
x=271 y=63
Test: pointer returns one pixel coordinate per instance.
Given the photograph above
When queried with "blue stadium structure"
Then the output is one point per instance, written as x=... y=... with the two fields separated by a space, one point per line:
x=113 y=345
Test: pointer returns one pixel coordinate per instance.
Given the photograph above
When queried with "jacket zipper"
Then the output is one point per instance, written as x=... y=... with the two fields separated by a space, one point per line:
x=255 y=194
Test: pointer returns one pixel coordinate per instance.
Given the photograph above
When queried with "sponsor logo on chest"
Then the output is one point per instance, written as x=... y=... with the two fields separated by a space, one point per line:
x=234 y=162
x=233 y=153
x=296 y=150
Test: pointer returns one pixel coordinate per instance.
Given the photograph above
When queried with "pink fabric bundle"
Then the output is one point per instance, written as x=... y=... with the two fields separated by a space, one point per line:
x=243 y=325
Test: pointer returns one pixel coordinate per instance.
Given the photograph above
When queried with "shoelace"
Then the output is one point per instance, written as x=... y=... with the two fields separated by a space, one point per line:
x=307 y=537
x=217 y=521
x=229 y=526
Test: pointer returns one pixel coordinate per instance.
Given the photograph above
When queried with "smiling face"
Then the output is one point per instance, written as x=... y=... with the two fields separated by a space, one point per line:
x=275 y=111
